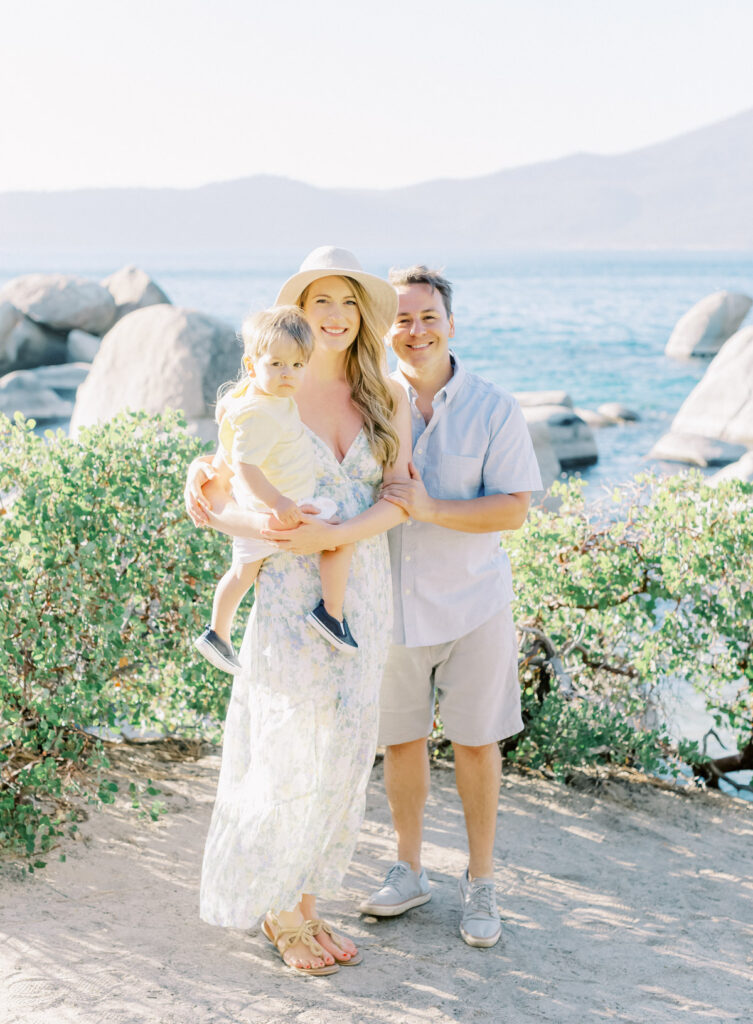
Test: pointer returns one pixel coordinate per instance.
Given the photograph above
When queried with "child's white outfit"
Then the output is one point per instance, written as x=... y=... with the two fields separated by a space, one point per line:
x=266 y=431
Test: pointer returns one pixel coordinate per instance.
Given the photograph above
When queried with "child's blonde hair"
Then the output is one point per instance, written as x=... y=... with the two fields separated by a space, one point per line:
x=260 y=331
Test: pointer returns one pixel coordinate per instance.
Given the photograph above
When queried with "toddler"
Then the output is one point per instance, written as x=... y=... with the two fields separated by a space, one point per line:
x=263 y=440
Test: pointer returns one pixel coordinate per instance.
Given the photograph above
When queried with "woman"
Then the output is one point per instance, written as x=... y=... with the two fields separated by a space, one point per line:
x=301 y=726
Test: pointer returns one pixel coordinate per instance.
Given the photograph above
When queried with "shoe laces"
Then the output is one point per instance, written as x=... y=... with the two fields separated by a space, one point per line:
x=396 y=872
x=481 y=897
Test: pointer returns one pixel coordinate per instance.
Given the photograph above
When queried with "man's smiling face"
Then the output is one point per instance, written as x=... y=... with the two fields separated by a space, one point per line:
x=420 y=335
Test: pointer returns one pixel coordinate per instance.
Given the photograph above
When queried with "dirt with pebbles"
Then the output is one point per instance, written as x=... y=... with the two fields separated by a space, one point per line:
x=620 y=903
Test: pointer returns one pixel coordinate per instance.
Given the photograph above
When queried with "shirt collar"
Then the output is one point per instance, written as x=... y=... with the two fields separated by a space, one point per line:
x=445 y=393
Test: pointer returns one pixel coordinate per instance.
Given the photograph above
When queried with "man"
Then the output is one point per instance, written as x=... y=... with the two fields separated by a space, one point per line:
x=472 y=474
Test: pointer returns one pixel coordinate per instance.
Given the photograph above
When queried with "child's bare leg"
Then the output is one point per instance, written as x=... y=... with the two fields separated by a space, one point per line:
x=231 y=590
x=334 y=569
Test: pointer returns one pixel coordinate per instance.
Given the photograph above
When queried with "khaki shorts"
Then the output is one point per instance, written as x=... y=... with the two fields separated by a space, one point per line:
x=475 y=679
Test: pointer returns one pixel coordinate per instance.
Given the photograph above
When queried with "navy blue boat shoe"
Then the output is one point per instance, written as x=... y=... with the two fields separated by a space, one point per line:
x=338 y=633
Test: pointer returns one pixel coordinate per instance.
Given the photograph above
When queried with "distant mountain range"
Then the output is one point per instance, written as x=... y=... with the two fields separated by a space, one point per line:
x=693 y=191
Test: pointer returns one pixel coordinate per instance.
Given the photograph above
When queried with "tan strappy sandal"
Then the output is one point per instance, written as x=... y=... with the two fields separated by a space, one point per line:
x=283 y=938
x=319 y=925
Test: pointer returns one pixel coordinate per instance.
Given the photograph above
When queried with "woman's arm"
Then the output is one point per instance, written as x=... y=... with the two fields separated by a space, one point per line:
x=315 y=535
x=198 y=475
x=402 y=422
x=209 y=501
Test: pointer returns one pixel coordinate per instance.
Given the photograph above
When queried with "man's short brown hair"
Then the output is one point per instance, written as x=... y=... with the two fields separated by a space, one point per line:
x=419 y=274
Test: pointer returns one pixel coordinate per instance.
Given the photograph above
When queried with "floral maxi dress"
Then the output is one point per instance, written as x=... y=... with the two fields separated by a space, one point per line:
x=301 y=726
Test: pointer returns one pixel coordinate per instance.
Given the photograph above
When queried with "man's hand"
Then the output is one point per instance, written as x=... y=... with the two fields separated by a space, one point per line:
x=411 y=496
x=287 y=512
x=199 y=472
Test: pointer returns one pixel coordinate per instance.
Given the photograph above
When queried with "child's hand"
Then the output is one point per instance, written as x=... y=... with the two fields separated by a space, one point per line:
x=287 y=512
x=273 y=523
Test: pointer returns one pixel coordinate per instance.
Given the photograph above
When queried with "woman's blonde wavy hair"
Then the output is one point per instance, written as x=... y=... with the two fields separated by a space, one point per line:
x=365 y=362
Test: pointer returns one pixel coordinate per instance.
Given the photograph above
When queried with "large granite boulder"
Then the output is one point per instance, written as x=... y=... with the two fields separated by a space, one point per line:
x=529 y=398
x=132 y=288
x=65 y=378
x=594 y=419
x=82 y=346
x=9 y=317
x=62 y=301
x=571 y=437
x=704 y=329
x=159 y=357
x=616 y=412
x=549 y=464
x=721 y=404
x=28 y=344
x=609 y=414
x=740 y=470
x=21 y=392
x=695 y=450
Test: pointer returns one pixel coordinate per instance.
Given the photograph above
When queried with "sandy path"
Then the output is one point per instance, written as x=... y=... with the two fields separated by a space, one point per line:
x=633 y=905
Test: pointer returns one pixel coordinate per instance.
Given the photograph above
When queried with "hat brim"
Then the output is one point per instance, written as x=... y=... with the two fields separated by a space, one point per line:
x=382 y=294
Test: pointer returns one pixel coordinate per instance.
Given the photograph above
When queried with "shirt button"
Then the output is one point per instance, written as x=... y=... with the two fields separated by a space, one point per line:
x=407 y=590
x=409 y=522
x=419 y=451
x=407 y=558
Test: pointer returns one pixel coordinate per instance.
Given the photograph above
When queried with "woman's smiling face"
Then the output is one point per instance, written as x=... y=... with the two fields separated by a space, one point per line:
x=332 y=311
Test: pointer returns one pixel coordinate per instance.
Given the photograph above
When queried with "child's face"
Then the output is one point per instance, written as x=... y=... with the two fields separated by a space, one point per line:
x=279 y=371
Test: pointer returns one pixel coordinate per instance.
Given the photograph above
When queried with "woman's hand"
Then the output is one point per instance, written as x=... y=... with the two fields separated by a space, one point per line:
x=311 y=536
x=199 y=473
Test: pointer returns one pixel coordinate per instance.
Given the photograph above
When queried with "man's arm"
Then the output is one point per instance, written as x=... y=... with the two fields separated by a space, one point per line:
x=488 y=514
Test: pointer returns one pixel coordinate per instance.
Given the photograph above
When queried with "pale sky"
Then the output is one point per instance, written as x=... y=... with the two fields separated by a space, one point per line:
x=334 y=93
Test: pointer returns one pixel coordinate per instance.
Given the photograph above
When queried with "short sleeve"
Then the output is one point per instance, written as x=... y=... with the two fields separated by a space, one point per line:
x=510 y=464
x=254 y=435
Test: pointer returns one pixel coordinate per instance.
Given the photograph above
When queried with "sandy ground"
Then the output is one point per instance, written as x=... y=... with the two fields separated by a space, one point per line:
x=623 y=904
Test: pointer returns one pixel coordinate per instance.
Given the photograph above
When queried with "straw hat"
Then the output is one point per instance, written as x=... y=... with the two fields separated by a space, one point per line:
x=329 y=261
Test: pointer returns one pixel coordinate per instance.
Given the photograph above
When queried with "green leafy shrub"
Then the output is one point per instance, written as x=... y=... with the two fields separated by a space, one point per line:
x=103 y=583
x=653 y=585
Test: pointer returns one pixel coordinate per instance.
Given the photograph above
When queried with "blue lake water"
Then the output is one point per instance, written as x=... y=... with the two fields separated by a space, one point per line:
x=594 y=324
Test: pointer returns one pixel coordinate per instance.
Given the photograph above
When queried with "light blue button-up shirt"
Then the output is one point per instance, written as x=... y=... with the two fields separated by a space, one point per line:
x=448 y=582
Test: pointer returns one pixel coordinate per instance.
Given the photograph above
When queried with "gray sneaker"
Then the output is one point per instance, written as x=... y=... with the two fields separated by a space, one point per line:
x=403 y=888
x=479 y=920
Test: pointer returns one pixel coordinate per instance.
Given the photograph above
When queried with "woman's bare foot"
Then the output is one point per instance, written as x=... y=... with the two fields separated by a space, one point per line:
x=338 y=946
x=343 y=949
x=300 y=954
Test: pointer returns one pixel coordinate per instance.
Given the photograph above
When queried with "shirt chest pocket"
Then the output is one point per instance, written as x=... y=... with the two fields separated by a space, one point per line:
x=461 y=475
